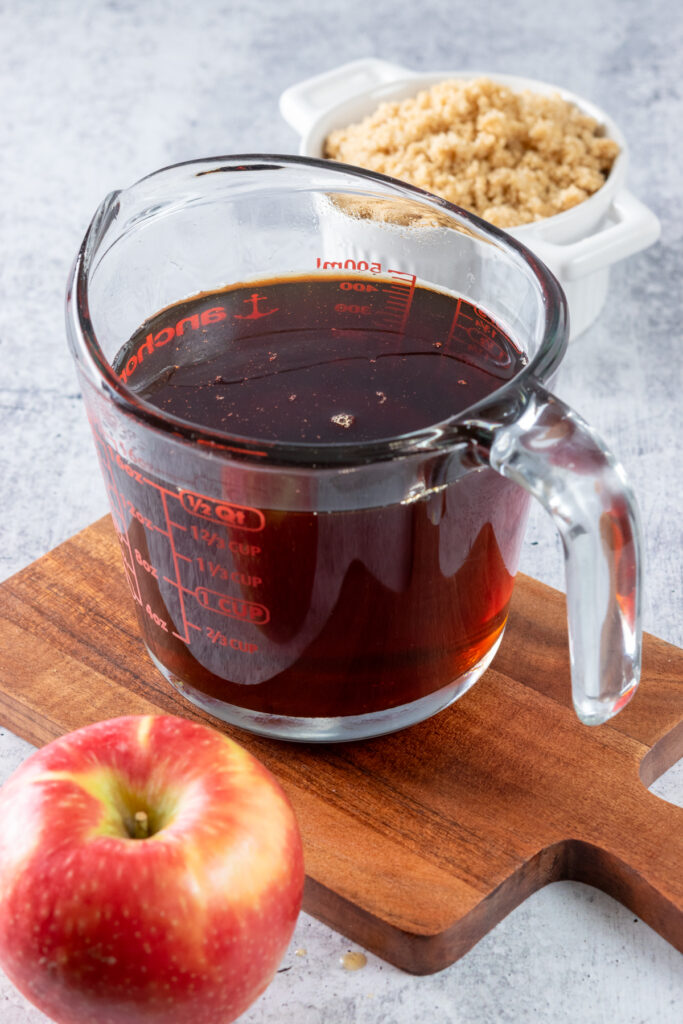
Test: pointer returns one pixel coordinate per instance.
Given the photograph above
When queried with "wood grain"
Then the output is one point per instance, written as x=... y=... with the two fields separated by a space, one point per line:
x=418 y=843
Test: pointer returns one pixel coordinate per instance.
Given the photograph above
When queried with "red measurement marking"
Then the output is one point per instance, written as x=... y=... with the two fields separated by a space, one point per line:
x=177 y=570
x=343 y=307
x=147 y=523
x=221 y=512
x=216 y=637
x=482 y=333
x=117 y=510
x=130 y=471
x=213 y=539
x=233 y=607
x=130 y=579
x=208 y=537
x=147 y=566
x=134 y=473
x=217 y=571
x=454 y=322
x=348 y=264
x=160 y=489
x=105 y=461
x=125 y=552
x=357 y=286
x=399 y=298
x=161 y=623
x=403 y=273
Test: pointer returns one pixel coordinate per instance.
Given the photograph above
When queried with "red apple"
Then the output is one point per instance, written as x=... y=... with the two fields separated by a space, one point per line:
x=183 y=925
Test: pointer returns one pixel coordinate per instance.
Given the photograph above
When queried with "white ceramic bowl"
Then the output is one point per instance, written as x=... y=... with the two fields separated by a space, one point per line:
x=579 y=245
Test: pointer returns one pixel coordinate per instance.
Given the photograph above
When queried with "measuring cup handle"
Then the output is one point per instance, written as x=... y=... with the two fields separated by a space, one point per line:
x=546 y=448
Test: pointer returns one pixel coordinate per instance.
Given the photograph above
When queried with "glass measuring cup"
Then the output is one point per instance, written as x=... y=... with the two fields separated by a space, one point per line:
x=345 y=585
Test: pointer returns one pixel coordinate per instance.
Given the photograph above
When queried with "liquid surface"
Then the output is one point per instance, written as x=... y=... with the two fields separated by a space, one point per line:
x=318 y=360
x=315 y=613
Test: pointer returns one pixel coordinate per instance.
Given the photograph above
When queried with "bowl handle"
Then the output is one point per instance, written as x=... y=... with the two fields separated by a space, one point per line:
x=303 y=103
x=633 y=227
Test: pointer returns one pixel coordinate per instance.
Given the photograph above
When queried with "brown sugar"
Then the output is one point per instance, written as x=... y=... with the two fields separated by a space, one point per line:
x=510 y=157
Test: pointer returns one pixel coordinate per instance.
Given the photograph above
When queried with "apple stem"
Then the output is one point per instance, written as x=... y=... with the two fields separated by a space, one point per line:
x=141 y=825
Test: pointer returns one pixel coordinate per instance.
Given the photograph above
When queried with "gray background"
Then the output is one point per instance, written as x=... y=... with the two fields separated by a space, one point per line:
x=94 y=95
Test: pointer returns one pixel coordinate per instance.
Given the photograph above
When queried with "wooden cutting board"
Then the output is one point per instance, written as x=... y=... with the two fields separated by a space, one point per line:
x=418 y=843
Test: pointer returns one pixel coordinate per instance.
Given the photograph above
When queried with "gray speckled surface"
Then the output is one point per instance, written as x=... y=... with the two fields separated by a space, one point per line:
x=94 y=95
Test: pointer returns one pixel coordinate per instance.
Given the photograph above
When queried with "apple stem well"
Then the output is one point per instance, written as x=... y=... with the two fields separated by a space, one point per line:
x=141 y=825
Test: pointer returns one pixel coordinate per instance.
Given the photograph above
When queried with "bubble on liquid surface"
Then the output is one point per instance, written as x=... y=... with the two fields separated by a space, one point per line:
x=343 y=419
